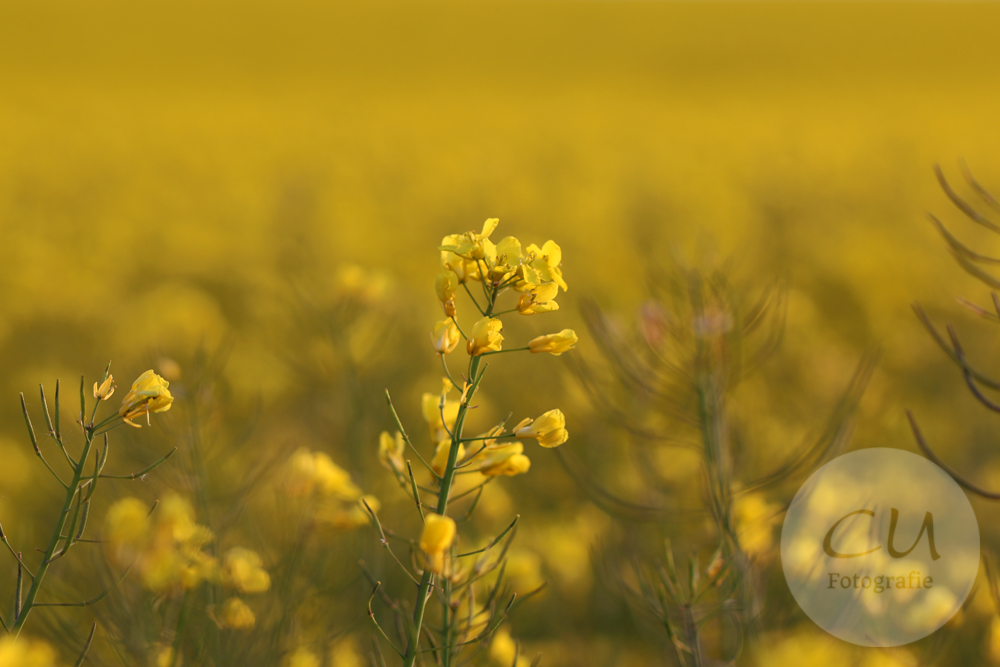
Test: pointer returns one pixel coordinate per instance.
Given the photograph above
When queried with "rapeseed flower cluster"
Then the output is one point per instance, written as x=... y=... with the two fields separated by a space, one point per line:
x=167 y=549
x=485 y=270
x=338 y=502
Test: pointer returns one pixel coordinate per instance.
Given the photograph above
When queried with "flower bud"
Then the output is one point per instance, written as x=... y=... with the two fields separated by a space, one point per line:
x=554 y=344
x=549 y=429
x=445 y=336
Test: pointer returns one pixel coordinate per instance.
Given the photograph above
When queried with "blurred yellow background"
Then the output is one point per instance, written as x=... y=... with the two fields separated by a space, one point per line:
x=203 y=175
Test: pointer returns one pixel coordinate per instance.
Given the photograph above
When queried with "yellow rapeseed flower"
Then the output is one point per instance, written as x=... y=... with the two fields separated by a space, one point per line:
x=445 y=337
x=106 y=388
x=333 y=480
x=241 y=570
x=472 y=245
x=554 y=344
x=504 y=460
x=504 y=260
x=539 y=299
x=546 y=263
x=549 y=429
x=445 y=286
x=350 y=517
x=235 y=615
x=390 y=451
x=127 y=528
x=485 y=337
x=148 y=394
x=16 y=652
x=431 y=408
x=503 y=650
x=308 y=472
x=302 y=658
x=440 y=460
x=436 y=540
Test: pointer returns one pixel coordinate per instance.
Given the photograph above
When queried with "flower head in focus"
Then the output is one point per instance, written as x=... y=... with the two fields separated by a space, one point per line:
x=547 y=261
x=540 y=299
x=485 y=337
x=549 y=429
x=554 y=344
x=436 y=540
x=472 y=245
x=149 y=393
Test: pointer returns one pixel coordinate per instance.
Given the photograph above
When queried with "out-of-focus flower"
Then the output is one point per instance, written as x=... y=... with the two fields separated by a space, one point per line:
x=390 y=451
x=315 y=471
x=504 y=460
x=148 y=394
x=241 y=570
x=162 y=655
x=362 y=285
x=346 y=653
x=445 y=337
x=440 y=460
x=549 y=429
x=539 y=299
x=24 y=652
x=350 y=517
x=436 y=540
x=485 y=336
x=165 y=549
x=554 y=344
x=524 y=571
x=126 y=530
x=333 y=480
x=445 y=286
x=169 y=368
x=439 y=420
x=302 y=657
x=235 y=615
x=106 y=388
x=755 y=520
x=503 y=649
x=546 y=262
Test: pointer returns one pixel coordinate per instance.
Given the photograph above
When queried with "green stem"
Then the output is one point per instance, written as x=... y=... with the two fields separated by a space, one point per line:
x=29 y=600
x=423 y=590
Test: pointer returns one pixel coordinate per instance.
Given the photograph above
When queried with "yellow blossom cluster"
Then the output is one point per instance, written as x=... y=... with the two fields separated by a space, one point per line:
x=166 y=548
x=535 y=272
x=339 y=501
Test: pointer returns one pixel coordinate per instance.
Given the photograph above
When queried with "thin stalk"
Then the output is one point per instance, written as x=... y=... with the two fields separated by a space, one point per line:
x=71 y=490
x=423 y=589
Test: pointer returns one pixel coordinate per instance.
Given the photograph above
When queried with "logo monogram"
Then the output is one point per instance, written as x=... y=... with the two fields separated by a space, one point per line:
x=927 y=526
